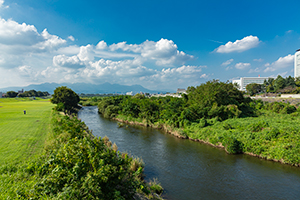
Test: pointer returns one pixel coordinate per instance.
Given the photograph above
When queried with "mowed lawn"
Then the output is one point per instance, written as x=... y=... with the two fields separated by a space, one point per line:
x=23 y=136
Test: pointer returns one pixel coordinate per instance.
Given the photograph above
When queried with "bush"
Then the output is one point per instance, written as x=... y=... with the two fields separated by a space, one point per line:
x=203 y=123
x=233 y=146
x=155 y=186
x=60 y=107
x=256 y=127
x=272 y=134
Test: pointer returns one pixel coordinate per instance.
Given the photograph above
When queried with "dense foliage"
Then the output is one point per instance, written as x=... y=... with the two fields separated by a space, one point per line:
x=33 y=93
x=30 y=93
x=11 y=94
x=211 y=100
x=65 y=98
x=287 y=85
x=253 y=88
x=76 y=165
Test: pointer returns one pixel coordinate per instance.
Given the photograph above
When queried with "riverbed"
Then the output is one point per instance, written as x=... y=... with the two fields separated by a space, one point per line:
x=192 y=170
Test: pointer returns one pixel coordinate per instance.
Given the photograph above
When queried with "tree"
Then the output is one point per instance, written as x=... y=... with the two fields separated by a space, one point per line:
x=11 y=94
x=290 y=81
x=279 y=83
x=253 y=88
x=65 y=96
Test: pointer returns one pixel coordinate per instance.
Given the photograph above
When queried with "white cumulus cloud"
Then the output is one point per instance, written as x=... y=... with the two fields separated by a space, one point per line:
x=164 y=51
x=244 y=44
x=101 y=45
x=33 y=56
x=242 y=66
x=71 y=38
x=282 y=62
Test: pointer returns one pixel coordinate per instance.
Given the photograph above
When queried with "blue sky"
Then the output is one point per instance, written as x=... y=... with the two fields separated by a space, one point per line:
x=157 y=44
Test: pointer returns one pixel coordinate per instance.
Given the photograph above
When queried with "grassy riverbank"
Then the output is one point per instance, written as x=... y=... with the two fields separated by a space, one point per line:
x=270 y=136
x=23 y=136
x=46 y=155
x=23 y=139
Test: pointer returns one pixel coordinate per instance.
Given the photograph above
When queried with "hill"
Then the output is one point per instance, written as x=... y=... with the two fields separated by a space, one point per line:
x=86 y=88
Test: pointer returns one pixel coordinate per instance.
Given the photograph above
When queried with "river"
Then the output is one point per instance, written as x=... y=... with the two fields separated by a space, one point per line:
x=192 y=170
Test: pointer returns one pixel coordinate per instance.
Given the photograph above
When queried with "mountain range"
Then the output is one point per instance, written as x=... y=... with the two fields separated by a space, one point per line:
x=85 y=88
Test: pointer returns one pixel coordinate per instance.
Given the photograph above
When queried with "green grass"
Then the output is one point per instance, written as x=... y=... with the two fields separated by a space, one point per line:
x=271 y=135
x=23 y=136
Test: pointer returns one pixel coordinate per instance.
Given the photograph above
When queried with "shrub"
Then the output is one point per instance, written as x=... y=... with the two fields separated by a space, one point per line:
x=272 y=134
x=288 y=109
x=233 y=146
x=203 y=123
x=256 y=127
x=155 y=186
x=227 y=126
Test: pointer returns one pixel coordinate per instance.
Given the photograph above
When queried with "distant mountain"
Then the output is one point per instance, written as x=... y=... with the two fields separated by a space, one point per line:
x=86 y=88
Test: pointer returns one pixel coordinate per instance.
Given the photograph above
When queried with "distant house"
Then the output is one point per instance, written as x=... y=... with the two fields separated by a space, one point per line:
x=1 y=94
x=181 y=91
x=21 y=91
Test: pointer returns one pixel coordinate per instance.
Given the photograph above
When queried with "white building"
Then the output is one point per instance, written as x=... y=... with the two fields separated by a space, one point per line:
x=297 y=64
x=243 y=82
x=129 y=93
x=181 y=91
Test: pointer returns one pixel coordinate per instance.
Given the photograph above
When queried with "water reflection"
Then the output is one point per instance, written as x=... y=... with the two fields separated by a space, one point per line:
x=191 y=170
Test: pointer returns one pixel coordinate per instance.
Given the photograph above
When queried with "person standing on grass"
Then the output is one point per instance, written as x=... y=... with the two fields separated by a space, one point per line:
x=24 y=112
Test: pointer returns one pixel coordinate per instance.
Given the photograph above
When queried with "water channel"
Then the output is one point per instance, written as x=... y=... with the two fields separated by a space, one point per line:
x=191 y=170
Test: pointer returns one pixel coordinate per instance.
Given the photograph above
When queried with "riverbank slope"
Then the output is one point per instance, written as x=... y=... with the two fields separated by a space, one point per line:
x=270 y=136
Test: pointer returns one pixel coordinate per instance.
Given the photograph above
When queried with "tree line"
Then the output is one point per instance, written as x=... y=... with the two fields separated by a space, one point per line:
x=288 y=85
x=213 y=99
x=30 y=93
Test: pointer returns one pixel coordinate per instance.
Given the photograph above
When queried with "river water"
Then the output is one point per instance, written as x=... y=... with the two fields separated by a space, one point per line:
x=192 y=170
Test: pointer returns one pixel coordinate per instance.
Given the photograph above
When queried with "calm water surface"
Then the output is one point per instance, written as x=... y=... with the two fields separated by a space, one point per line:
x=191 y=170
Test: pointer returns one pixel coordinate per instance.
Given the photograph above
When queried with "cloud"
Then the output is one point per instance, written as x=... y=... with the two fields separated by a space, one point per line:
x=21 y=44
x=71 y=38
x=86 y=53
x=101 y=45
x=204 y=76
x=13 y=33
x=164 y=51
x=226 y=63
x=36 y=57
x=244 y=44
x=228 y=68
x=282 y=62
x=183 y=76
x=216 y=41
x=254 y=70
x=258 y=60
x=1 y=4
x=50 y=41
x=69 y=62
x=25 y=70
x=242 y=66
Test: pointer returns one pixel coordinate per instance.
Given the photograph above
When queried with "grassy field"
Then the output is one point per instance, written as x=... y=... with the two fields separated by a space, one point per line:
x=23 y=136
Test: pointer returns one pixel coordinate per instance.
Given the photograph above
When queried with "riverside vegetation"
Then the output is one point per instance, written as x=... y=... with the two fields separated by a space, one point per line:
x=217 y=113
x=65 y=161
